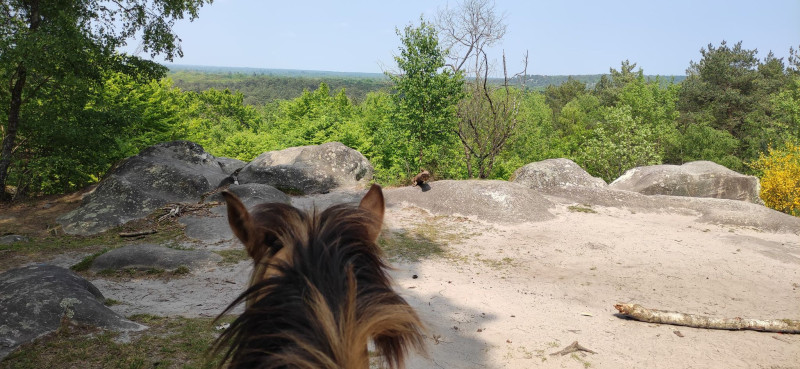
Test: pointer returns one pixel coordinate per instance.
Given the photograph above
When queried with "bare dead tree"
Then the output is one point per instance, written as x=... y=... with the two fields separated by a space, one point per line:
x=488 y=115
x=467 y=31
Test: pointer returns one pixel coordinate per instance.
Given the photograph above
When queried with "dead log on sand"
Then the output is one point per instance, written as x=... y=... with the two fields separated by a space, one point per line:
x=643 y=314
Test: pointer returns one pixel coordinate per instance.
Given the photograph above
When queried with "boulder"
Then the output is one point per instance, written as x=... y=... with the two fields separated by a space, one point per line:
x=149 y=256
x=215 y=228
x=34 y=299
x=253 y=194
x=487 y=200
x=309 y=169
x=694 y=179
x=12 y=238
x=178 y=171
x=555 y=173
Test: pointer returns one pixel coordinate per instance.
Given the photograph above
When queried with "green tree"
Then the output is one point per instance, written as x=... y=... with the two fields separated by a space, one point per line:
x=619 y=143
x=610 y=85
x=558 y=96
x=731 y=90
x=62 y=47
x=426 y=94
x=535 y=138
x=721 y=86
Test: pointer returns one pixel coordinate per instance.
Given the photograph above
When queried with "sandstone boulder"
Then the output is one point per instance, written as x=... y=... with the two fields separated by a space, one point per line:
x=34 y=300
x=12 y=238
x=555 y=173
x=694 y=179
x=149 y=256
x=178 y=171
x=487 y=200
x=309 y=169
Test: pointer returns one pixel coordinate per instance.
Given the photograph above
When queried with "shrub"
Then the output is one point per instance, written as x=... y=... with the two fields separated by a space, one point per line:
x=780 y=178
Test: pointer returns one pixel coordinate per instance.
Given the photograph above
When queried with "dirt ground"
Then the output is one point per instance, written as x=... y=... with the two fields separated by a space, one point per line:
x=508 y=295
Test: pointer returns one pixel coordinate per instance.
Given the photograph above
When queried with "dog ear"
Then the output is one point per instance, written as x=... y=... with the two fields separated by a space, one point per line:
x=240 y=220
x=374 y=204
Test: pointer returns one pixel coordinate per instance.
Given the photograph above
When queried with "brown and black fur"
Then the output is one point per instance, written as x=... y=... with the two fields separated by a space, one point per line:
x=319 y=291
x=421 y=178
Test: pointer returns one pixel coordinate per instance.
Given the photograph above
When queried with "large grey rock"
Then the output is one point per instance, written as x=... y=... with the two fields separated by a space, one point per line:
x=179 y=171
x=12 y=238
x=253 y=194
x=694 y=179
x=34 y=299
x=488 y=200
x=554 y=173
x=149 y=256
x=215 y=228
x=309 y=169
x=707 y=210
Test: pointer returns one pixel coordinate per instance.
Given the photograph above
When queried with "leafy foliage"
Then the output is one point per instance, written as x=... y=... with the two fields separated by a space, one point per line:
x=425 y=95
x=780 y=182
x=54 y=57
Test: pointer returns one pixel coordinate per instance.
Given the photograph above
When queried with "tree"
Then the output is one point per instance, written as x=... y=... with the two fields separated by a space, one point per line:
x=60 y=47
x=731 y=90
x=426 y=94
x=487 y=117
x=558 y=96
x=619 y=143
x=610 y=85
x=487 y=120
x=721 y=84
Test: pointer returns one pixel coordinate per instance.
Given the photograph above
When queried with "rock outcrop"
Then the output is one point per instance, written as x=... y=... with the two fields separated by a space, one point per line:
x=309 y=169
x=12 y=238
x=695 y=179
x=555 y=173
x=487 y=200
x=149 y=256
x=178 y=171
x=34 y=300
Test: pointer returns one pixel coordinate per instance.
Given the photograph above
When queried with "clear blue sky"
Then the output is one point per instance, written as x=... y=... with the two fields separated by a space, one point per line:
x=561 y=36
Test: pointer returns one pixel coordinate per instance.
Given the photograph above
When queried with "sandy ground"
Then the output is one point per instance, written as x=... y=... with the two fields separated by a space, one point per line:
x=510 y=295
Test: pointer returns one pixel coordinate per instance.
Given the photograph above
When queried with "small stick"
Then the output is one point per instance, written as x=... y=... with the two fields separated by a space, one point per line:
x=574 y=347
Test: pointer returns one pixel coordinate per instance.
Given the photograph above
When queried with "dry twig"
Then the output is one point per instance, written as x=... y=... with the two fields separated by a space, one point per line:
x=574 y=347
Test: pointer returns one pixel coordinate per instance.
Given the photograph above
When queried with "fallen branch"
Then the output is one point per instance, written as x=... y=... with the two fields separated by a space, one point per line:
x=173 y=212
x=643 y=314
x=137 y=234
x=574 y=347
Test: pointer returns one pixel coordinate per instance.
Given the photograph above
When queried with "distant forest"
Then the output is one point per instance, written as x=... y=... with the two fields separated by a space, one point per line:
x=260 y=86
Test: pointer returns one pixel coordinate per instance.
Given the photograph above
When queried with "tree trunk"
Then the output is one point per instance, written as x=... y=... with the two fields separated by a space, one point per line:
x=11 y=129
x=34 y=20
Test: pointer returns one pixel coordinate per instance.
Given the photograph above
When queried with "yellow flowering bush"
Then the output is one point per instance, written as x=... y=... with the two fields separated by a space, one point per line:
x=780 y=178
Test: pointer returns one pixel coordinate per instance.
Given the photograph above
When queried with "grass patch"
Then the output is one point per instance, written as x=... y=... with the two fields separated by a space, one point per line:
x=582 y=209
x=171 y=342
x=232 y=256
x=42 y=248
x=134 y=273
x=409 y=246
x=111 y=302
x=423 y=239
x=86 y=263
x=181 y=270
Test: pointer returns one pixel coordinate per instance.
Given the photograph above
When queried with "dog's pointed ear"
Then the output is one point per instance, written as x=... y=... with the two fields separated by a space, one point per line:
x=239 y=219
x=374 y=204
